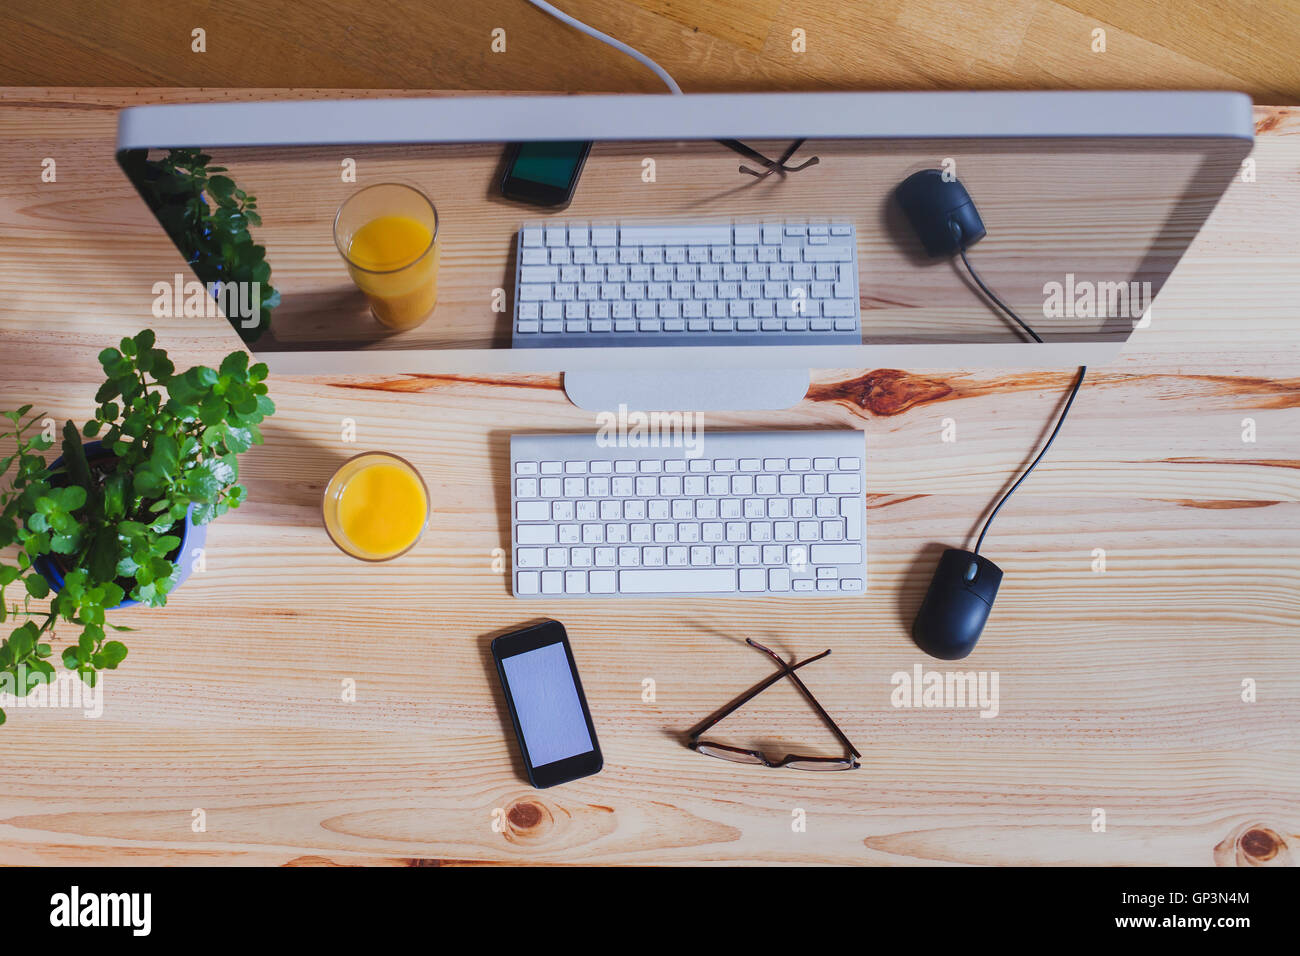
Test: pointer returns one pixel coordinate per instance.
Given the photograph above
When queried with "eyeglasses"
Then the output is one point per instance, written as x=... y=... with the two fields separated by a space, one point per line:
x=771 y=166
x=793 y=761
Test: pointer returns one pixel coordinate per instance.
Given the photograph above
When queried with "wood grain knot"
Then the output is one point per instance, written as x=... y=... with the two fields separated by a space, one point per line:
x=1253 y=844
x=1260 y=844
x=526 y=816
x=883 y=391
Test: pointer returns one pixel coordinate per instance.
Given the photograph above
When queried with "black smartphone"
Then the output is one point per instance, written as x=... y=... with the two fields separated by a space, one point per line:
x=543 y=173
x=547 y=705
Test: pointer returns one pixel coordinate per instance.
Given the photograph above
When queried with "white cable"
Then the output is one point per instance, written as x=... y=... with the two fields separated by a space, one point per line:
x=606 y=38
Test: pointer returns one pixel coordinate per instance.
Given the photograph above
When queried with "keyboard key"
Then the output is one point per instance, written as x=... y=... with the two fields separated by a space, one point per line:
x=535 y=534
x=669 y=580
x=843 y=484
x=532 y=511
x=835 y=554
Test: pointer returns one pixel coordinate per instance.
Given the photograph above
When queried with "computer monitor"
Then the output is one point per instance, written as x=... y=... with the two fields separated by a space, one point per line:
x=1089 y=200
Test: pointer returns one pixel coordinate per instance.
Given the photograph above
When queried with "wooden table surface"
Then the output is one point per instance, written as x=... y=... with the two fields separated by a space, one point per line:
x=706 y=45
x=1120 y=691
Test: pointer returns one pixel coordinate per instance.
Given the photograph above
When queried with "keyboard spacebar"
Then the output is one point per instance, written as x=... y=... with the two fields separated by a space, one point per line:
x=666 y=580
x=674 y=235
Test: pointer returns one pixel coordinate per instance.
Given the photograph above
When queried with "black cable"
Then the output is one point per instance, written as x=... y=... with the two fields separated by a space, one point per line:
x=1083 y=370
x=990 y=293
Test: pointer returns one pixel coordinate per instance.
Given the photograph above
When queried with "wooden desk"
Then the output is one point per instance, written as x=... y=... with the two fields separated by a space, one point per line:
x=1119 y=691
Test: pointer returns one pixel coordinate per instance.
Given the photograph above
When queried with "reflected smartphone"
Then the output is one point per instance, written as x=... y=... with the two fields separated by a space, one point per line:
x=547 y=705
x=543 y=173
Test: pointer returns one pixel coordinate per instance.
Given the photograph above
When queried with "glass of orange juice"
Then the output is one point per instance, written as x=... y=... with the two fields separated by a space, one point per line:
x=376 y=506
x=388 y=236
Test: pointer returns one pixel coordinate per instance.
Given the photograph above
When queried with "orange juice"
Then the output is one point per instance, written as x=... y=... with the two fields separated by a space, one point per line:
x=388 y=236
x=376 y=506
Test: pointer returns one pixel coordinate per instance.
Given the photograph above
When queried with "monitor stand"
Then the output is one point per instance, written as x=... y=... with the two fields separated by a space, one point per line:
x=699 y=390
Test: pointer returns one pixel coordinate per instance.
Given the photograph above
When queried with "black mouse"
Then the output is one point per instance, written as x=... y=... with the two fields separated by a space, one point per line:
x=941 y=212
x=952 y=616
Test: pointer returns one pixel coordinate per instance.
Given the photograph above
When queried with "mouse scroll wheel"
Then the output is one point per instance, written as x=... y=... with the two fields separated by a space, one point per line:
x=971 y=571
x=955 y=228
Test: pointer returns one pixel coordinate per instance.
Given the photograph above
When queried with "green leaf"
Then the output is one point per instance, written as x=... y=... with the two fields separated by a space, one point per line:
x=104 y=555
x=221 y=187
x=235 y=364
x=115 y=495
x=114 y=653
x=70 y=498
x=37 y=586
x=74 y=459
x=202 y=482
x=65 y=543
x=166 y=455
x=22 y=640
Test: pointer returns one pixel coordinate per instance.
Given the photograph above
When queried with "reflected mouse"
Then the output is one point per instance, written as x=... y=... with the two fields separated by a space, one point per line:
x=941 y=212
x=952 y=615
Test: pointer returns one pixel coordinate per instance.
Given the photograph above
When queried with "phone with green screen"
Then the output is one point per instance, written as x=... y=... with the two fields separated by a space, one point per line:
x=543 y=173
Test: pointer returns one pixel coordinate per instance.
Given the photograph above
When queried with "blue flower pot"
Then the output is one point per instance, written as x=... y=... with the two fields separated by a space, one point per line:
x=192 y=536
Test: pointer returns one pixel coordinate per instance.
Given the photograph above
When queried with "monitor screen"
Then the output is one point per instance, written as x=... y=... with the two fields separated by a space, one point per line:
x=775 y=241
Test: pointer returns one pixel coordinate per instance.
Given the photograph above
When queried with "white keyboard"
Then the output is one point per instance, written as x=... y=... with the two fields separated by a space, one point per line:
x=771 y=283
x=755 y=513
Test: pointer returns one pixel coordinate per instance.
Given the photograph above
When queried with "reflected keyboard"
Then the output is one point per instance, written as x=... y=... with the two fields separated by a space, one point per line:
x=754 y=513
x=770 y=283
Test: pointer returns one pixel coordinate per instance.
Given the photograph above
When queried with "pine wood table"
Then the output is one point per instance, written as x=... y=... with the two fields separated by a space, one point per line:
x=230 y=734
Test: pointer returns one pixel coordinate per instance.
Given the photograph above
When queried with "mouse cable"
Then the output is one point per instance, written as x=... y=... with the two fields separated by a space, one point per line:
x=1083 y=370
x=992 y=295
x=606 y=38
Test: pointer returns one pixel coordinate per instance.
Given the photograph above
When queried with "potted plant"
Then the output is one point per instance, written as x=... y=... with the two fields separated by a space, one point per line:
x=111 y=521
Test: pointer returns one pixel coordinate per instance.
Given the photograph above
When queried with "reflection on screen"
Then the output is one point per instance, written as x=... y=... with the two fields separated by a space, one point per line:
x=549 y=163
x=1081 y=234
x=546 y=702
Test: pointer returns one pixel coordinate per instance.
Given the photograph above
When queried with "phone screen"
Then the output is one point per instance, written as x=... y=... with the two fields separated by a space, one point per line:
x=544 y=173
x=551 y=164
x=546 y=700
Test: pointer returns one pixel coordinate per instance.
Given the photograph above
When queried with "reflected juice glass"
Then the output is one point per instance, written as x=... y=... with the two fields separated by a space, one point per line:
x=387 y=235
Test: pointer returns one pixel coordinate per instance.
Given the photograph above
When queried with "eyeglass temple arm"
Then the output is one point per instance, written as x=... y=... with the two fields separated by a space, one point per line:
x=749 y=695
x=788 y=671
x=778 y=165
